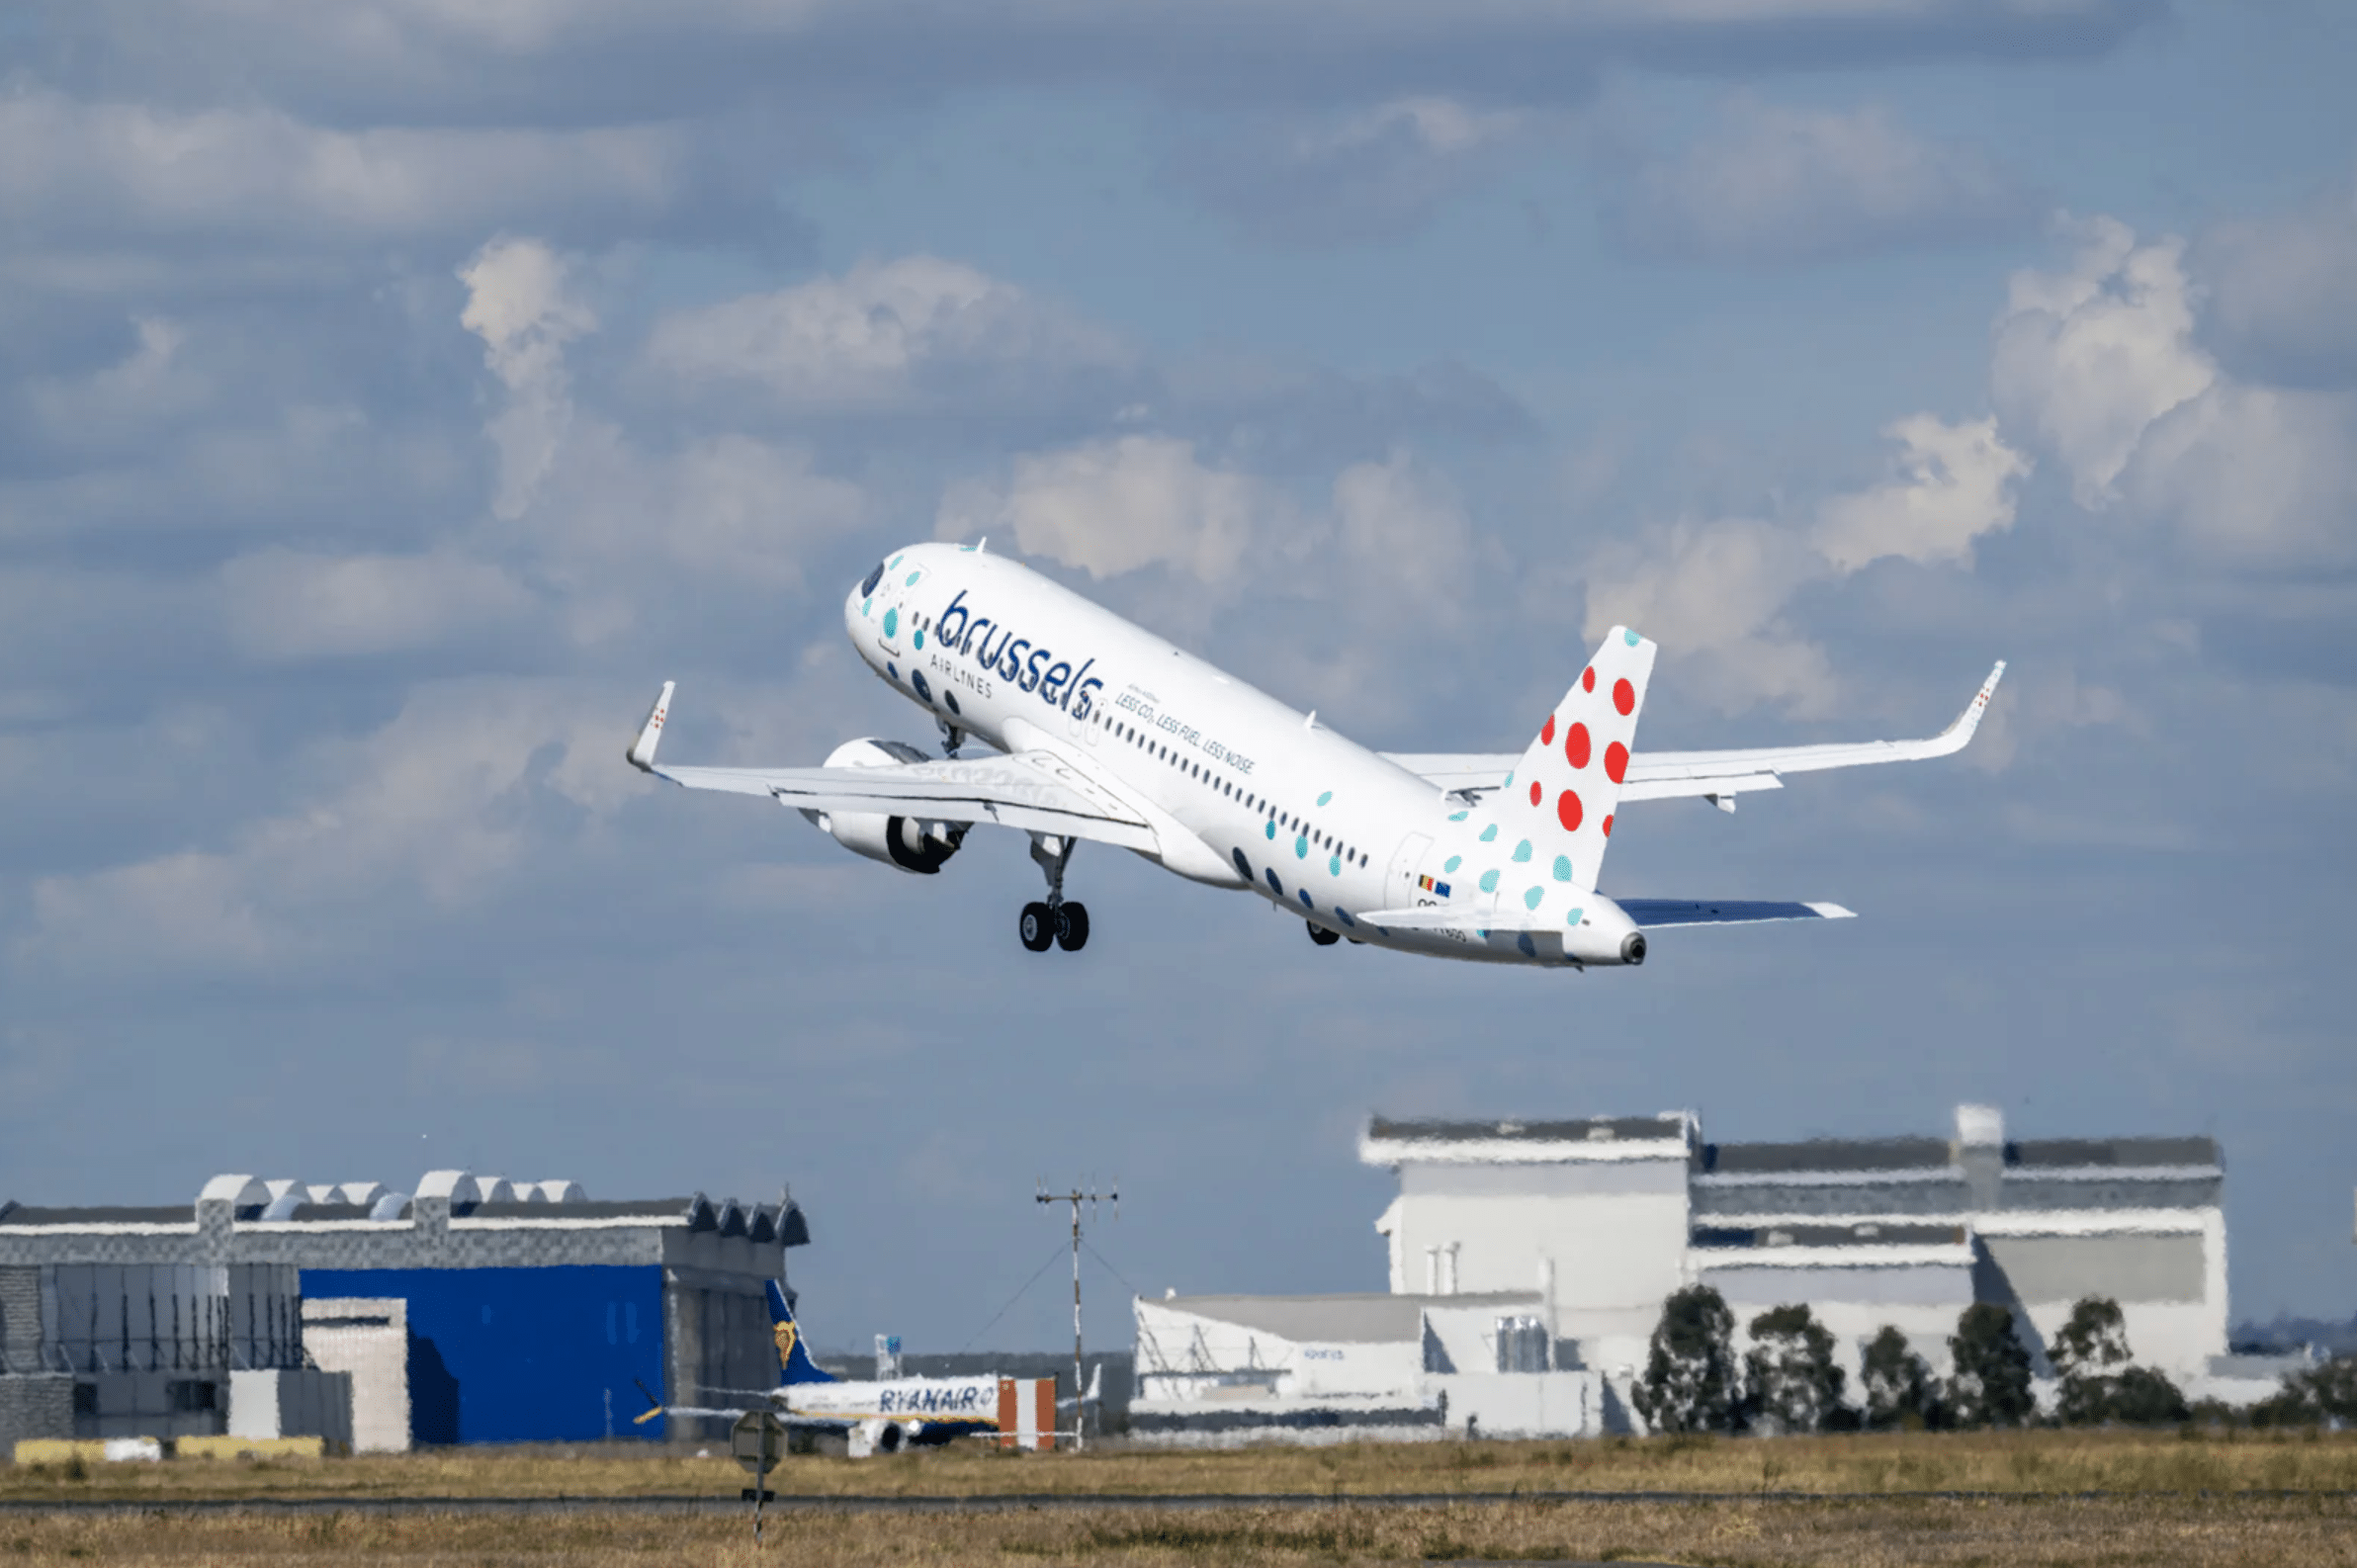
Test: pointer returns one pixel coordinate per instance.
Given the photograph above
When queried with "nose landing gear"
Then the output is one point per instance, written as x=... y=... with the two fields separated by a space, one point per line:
x=1056 y=921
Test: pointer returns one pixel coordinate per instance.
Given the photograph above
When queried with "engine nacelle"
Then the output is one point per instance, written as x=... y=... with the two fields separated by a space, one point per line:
x=904 y=842
x=876 y=1436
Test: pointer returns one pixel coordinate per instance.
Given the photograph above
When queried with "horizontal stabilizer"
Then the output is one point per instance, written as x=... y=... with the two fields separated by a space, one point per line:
x=1652 y=914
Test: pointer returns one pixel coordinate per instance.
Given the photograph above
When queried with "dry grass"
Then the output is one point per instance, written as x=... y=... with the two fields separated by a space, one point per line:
x=2261 y=1533
x=2030 y=1463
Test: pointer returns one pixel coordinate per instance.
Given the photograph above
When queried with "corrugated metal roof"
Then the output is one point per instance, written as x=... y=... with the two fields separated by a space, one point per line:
x=2082 y=1153
x=164 y=1214
x=1825 y=1154
x=1365 y=1319
x=1861 y=1235
x=1384 y=1128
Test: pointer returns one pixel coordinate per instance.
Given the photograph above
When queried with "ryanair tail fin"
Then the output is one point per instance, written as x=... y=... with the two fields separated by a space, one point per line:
x=793 y=1356
x=1543 y=833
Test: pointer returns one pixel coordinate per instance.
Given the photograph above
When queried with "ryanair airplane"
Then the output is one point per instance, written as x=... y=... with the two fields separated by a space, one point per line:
x=1099 y=731
x=887 y=1416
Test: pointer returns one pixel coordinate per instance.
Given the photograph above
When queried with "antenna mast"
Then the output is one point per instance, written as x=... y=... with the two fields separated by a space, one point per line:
x=1075 y=1198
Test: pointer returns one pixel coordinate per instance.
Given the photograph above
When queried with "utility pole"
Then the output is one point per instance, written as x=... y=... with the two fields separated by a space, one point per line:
x=1075 y=1198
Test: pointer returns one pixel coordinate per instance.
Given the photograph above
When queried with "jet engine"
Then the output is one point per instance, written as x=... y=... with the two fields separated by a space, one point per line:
x=908 y=842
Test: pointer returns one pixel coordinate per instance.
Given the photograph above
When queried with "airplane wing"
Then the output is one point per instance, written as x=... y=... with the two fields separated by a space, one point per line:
x=1036 y=791
x=1647 y=913
x=1718 y=776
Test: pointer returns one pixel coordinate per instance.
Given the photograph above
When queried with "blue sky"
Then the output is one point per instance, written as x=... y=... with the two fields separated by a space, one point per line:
x=392 y=394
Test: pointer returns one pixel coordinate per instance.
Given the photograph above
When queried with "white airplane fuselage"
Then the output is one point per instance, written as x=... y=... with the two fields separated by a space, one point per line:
x=1262 y=797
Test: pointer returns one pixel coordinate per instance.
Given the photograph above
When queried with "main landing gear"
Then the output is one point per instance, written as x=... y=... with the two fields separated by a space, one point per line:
x=1055 y=923
x=1321 y=935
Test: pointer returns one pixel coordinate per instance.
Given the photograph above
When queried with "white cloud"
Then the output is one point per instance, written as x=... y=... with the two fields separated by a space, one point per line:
x=427 y=814
x=284 y=604
x=2087 y=358
x=518 y=303
x=1373 y=174
x=1775 y=183
x=2282 y=291
x=2255 y=476
x=888 y=333
x=1712 y=594
x=1115 y=506
x=1955 y=483
x=1404 y=527
x=75 y=172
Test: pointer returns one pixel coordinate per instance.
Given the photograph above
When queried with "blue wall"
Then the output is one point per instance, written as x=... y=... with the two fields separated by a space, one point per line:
x=521 y=1354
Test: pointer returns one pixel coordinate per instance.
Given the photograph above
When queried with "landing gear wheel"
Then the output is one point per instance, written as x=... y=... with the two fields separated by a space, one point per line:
x=1322 y=936
x=1039 y=928
x=1072 y=926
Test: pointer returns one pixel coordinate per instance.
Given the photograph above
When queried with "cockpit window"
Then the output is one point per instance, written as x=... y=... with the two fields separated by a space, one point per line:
x=868 y=587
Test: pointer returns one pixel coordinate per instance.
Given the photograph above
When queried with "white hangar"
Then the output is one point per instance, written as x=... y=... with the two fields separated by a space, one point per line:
x=1529 y=1262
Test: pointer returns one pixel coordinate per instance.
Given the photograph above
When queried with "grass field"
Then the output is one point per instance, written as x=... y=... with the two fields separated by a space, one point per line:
x=2255 y=1498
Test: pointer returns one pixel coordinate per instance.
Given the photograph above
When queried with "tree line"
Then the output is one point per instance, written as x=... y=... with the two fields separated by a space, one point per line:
x=1789 y=1381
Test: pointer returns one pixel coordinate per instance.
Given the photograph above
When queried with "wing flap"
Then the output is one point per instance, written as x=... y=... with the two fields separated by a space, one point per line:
x=1034 y=791
x=1653 y=913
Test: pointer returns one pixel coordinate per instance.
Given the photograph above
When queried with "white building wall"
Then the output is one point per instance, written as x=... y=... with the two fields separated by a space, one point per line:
x=367 y=1337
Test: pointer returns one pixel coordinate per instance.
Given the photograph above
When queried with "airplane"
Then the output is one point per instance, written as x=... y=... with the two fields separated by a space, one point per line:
x=878 y=1415
x=1101 y=731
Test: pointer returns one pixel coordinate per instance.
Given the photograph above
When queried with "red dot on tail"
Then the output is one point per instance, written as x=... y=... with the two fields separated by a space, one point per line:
x=1616 y=761
x=1575 y=745
x=1547 y=732
x=1624 y=697
x=1567 y=812
x=1536 y=794
x=1608 y=825
x=1588 y=678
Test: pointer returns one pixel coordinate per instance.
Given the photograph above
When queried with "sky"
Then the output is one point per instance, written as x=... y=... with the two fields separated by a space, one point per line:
x=394 y=393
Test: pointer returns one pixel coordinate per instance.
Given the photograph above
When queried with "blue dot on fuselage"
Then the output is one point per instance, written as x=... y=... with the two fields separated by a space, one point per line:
x=1280 y=887
x=1529 y=947
x=1305 y=903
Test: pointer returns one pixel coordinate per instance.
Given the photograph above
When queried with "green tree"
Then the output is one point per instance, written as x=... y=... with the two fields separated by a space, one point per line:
x=1689 y=1372
x=2324 y=1392
x=2089 y=1354
x=2099 y=1381
x=1897 y=1383
x=1790 y=1372
x=1990 y=1383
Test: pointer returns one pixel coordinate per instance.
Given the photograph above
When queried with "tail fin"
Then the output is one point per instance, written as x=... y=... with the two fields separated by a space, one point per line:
x=1545 y=832
x=793 y=1356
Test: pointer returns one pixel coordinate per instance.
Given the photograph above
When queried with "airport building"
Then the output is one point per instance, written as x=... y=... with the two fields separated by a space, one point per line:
x=472 y=1310
x=1529 y=1261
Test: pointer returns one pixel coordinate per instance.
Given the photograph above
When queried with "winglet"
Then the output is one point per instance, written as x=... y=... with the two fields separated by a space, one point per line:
x=641 y=751
x=1952 y=738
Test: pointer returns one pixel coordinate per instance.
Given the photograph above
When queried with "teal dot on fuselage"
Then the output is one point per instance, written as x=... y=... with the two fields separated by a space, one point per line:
x=867 y=607
x=1458 y=816
x=1509 y=784
x=1531 y=898
x=1562 y=868
x=919 y=637
x=1628 y=637
x=1454 y=861
x=1522 y=852
x=1489 y=833
x=1489 y=881
x=892 y=623
x=913 y=577
x=1301 y=847
x=1272 y=833
x=1334 y=865
x=1326 y=798
x=1573 y=918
